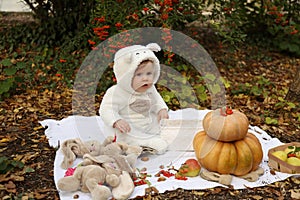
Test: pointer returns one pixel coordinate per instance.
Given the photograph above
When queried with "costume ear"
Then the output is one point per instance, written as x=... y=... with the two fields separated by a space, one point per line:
x=127 y=57
x=153 y=47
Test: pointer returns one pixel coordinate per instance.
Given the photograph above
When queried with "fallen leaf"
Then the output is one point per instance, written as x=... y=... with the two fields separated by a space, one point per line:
x=295 y=194
x=257 y=197
x=10 y=187
x=198 y=193
x=161 y=178
x=4 y=140
x=3 y=149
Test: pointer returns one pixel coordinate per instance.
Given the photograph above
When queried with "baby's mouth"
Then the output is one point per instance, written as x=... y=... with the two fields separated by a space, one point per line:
x=147 y=85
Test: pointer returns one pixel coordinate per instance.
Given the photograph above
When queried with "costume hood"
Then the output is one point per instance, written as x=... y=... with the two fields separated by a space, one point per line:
x=127 y=60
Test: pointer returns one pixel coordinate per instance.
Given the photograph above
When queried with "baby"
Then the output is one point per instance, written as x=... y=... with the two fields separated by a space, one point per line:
x=133 y=108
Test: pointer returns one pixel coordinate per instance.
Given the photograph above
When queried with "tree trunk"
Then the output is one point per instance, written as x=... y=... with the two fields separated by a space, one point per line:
x=293 y=94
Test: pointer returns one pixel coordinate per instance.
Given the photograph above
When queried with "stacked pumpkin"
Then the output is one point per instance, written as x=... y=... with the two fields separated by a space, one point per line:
x=225 y=146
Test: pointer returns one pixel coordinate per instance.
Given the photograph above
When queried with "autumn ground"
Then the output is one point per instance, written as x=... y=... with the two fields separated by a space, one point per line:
x=22 y=138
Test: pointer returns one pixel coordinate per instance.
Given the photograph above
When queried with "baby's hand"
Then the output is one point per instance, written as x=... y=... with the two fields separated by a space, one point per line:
x=162 y=114
x=122 y=126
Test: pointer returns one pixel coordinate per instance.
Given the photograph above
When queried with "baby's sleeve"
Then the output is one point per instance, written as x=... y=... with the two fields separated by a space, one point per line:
x=159 y=103
x=109 y=107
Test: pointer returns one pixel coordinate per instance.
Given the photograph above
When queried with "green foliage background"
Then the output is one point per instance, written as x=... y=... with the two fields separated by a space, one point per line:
x=49 y=51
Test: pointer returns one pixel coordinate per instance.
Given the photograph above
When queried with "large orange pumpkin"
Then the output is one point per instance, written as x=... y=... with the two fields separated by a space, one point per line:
x=226 y=125
x=237 y=158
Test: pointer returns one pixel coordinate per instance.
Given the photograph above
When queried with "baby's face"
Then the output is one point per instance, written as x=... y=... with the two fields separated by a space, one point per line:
x=143 y=78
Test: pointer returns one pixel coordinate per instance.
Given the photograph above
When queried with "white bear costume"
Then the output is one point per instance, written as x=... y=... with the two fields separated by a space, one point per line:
x=138 y=109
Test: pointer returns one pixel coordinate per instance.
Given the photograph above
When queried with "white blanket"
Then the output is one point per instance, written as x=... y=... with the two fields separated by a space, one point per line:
x=179 y=131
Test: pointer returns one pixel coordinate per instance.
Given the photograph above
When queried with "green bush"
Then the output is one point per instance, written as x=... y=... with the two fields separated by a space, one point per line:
x=267 y=21
x=9 y=80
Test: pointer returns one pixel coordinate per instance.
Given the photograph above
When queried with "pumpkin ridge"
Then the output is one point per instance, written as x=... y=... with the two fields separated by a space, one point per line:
x=227 y=161
x=256 y=150
x=198 y=145
x=236 y=159
x=220 y=162
x=245 y=158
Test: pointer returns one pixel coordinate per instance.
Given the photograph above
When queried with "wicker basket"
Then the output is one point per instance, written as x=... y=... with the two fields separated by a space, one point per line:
x=279 y=165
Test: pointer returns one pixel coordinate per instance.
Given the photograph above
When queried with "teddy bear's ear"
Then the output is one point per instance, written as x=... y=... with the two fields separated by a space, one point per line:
x=71 y=149
x=69 y=155
x=153 y=47
x=125 y=187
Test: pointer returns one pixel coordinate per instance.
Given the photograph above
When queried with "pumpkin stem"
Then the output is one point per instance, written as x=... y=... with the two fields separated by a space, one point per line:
x=224 y=111
x=229 y=110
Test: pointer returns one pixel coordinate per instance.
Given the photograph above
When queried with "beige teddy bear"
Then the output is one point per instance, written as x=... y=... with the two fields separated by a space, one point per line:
x=106 y=169
x=97 y=180
x=74 y=148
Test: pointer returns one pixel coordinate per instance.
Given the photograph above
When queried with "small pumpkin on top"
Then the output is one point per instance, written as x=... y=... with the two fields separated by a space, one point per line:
x=226 y=124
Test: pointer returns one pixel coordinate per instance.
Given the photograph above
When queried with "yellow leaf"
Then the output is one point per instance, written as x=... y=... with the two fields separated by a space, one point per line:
x=3 y=140
x=35 y=141
x=3 y=149
x=37 y=128
x=31 y=109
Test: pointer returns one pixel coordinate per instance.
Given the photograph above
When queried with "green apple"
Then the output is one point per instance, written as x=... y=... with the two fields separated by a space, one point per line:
x=293 y=161
x=280 y=154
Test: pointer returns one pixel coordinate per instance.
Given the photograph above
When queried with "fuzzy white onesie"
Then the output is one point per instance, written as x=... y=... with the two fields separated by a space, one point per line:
x=138 y=109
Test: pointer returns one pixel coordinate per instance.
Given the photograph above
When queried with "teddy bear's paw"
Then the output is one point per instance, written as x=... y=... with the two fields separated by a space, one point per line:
x=68 y=183
x=101 y=192
x=113 y=180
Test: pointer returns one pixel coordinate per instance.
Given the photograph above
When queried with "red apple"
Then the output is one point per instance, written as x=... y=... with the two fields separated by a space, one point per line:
x=190 y=168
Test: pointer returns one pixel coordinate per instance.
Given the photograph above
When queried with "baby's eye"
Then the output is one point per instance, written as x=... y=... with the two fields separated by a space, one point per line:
x=138 y=74
x=149 y=73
